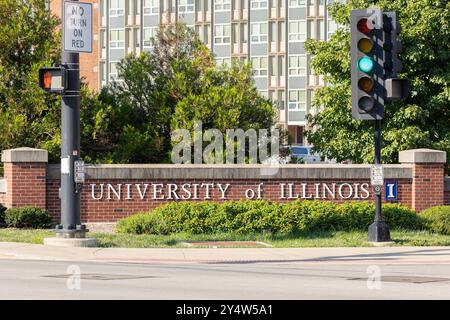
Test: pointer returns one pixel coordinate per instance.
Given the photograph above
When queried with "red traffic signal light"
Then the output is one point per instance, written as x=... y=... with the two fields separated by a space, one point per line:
x=53 y=79
x=365 y=26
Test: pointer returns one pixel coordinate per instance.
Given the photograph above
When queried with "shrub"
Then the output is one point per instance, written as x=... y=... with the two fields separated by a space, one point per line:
x=260 y=216
x=437 y=219
x=402 y=217
x=2 y=213
x=27 y=217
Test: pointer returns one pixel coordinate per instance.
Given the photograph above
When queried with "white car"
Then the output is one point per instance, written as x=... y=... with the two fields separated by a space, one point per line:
x=304 y=153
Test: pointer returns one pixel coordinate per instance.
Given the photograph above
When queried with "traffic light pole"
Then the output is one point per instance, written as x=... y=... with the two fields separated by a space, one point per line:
x=378 y=230
x=70 y=226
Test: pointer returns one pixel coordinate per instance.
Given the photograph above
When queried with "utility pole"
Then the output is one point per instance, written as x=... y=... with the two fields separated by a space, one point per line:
x=64 y=79
x=374 y=80
x=70 y=226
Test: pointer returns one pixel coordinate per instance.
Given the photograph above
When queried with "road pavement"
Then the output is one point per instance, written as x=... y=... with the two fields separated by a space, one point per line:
x=42 y=272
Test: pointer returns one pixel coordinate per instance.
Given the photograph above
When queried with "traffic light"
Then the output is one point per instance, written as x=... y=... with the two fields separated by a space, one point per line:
x=53 y=80
x=395 y=88
x=367 y=58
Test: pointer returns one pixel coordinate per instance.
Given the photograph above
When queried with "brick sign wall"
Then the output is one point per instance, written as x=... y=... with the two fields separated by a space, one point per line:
x=115 y=191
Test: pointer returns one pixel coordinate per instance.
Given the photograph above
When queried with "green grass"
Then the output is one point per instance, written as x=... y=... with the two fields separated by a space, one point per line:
x=311 y=239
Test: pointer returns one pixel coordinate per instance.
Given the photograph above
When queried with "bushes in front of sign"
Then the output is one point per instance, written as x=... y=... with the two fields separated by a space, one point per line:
x=27 y=217
x=265 y=216
x=437 y=219
x=2 y=214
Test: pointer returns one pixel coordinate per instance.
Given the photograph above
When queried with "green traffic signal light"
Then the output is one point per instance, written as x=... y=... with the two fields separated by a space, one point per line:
x=366 y=64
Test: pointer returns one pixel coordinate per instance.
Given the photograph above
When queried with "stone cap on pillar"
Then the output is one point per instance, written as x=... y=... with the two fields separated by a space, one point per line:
x=422 y=156
x=25 y=155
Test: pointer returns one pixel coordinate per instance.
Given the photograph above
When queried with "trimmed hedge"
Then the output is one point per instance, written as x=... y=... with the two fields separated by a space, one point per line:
x=260 y=216
x=2 y=213
x=27 y=217
x=437 y=219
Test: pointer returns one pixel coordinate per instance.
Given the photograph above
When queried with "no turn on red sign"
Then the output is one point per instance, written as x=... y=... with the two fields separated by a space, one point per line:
x=77 y=26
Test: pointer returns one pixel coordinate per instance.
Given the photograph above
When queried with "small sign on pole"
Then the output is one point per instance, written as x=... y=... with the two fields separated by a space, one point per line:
x=376 y=175
x=77 y=26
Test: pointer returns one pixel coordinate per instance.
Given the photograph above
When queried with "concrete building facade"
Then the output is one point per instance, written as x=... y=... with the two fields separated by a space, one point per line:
x=269 y=33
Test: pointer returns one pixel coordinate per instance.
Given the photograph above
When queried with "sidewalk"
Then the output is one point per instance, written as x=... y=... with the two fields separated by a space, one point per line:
x=360 y=255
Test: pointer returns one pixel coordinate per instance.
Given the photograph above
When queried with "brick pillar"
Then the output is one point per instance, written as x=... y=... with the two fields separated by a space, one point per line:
x=25 y=175
x=428 y=176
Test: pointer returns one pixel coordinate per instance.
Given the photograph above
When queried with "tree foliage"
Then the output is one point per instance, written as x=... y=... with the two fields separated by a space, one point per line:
x=168 y=88
x=174 y=85
x=28 y=117
x=422 y=120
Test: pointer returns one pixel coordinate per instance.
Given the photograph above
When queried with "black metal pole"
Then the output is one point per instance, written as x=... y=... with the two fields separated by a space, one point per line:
x=70 y=226
x=378 y=230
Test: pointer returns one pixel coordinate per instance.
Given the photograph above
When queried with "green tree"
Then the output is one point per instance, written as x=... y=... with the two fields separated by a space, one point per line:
x=28 y=40
x=174 y=85
x=422 y=120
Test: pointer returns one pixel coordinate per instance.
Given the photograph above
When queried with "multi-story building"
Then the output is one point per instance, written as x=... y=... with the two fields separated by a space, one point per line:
x=269 y=33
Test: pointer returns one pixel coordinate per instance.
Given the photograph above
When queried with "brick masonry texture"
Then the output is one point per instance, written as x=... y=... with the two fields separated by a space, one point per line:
x=420 y=185
x=111 y=210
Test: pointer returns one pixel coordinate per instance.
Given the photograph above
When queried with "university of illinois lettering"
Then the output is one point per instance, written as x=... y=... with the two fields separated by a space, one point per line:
x=221 y=191
x=77 y=27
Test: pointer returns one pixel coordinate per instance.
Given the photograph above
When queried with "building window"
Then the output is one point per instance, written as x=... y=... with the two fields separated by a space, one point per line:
x=222 y=34
x=103 y=39
x=281 y=32
x=148 y=34
x=129 y=38
x=103 y=8
x=116 y=8
x=137 y=38
x=272 y=66
x=272 y=32
x=259 y=32
x=199 y=5
x=311 y=29
x=137 y=7
x=113 y=75
x=235 y=34
x=297 y=100
x=321 y=29
x=222 y=5
x=281 y=66
x=297 y=30
x=206 y=34
x=102 y=71
x=297 y=65
x=117 y=39
x=264 y=93
x=259 y=4
x=244 y=33
x=332 y=26
x=281 y=99
x=223 y=61
x=259 y=65
x=151 y=6
x=186 y=6
x=297 y=3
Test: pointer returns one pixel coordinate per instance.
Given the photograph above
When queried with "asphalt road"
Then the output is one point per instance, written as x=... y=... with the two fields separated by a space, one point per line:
x=34 y=279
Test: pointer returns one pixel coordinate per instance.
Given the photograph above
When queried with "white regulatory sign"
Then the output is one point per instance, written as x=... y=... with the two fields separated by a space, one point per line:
x=77 y=26
x=376 y=175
